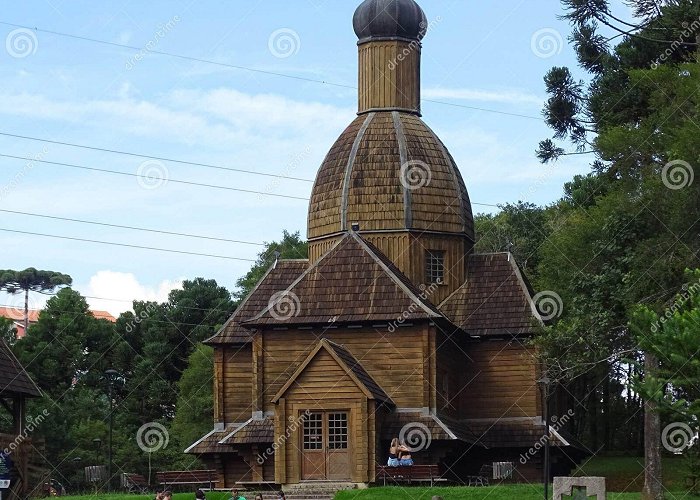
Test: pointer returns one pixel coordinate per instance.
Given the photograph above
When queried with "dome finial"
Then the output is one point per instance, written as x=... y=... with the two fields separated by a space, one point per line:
x=390 y=20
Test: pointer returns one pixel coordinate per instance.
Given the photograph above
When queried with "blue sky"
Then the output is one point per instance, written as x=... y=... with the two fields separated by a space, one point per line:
x=481 y=54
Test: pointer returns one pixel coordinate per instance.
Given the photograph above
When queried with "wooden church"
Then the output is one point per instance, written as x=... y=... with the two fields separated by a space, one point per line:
x=394 y=327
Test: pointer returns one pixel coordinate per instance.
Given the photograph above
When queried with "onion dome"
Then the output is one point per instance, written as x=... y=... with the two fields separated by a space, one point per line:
x=389 y=171
x=389 y=20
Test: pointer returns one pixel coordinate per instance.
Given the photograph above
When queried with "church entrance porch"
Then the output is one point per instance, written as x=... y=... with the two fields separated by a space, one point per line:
x=325 y=446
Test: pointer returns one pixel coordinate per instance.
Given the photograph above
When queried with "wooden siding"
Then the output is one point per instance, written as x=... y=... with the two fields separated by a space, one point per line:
x=324 y=385
x=407 y=251
x=393 y=360
x=389 y=75
x=236 y=469
x=452 y=366
x=219 y=393
x=501 y=381
x=237 y=384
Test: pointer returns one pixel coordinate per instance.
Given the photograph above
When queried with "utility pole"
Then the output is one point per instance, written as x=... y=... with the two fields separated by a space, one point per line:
x=111 y=376
x=545 y=382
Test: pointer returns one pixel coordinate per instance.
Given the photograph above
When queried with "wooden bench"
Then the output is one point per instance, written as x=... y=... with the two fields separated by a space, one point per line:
x=187 y=477
x=134 y=483
x=409 y=474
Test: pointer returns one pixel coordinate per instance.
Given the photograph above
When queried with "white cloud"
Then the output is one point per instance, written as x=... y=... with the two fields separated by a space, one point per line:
x=502 y=96
x=213 y=117
x=121 y=289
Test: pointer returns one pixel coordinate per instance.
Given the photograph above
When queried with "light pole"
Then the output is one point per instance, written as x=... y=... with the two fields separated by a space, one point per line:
x=545 y=382
x=111 y=376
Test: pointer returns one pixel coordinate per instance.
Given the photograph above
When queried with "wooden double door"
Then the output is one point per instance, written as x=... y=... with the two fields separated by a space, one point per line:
x=325 y=446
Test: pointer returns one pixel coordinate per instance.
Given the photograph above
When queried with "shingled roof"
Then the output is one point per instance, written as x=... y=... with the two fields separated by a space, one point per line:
x=210 y=442
x=254 y=431
x=349 y=363
x=277 y=278
x=495 y=300
x=517 y=433
x=353 y=282
x=423 y=424
x=14 y=380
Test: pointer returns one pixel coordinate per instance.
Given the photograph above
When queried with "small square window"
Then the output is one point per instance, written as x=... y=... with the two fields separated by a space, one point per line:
x=435 y=266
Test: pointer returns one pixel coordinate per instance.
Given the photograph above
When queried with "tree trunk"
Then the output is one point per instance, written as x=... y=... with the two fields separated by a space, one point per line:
x=653 y=487
x=593 y=406
x=26 y=310
x=606 y=407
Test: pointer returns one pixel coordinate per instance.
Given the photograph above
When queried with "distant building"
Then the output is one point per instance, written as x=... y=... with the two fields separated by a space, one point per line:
x=17 y=316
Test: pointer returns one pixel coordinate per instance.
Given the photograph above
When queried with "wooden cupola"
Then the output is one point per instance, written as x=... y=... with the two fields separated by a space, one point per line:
x=389 y=176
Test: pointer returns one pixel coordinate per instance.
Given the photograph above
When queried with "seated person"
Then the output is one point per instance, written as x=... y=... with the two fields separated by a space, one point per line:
x=405 y=459
x=394 y=451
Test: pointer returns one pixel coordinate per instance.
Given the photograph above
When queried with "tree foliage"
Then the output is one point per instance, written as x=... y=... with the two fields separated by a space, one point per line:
x=290 y=247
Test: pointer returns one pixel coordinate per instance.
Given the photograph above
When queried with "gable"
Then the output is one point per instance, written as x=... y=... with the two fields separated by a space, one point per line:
x=330 y=371
x=352 y=283
x=324 y=379
x=14 y=380
x=495 y=300
x=277 y=278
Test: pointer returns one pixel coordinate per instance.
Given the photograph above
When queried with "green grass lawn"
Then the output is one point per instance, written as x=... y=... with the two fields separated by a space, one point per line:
x=627 y=473
x=624 y=474
x=506 y=492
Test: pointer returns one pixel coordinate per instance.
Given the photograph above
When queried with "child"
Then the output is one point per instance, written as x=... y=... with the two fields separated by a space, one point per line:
x=235 y=495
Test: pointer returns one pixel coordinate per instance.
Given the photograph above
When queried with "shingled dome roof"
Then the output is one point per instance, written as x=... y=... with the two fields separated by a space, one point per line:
x=389 y=171
x=388 y=19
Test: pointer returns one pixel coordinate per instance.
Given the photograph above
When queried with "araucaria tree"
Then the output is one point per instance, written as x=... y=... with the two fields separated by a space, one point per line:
x=31 y=280
x=629 y=229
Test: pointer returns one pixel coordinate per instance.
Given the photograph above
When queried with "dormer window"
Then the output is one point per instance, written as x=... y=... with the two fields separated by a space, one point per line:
x=434 y=266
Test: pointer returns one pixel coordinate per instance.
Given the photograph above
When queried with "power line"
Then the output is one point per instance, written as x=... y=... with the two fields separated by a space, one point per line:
x=152 y=157
x=253 y=70
x=179 y=56
x=126 y=245
x=128 y=174
x=134 y=228
x=198 y=184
